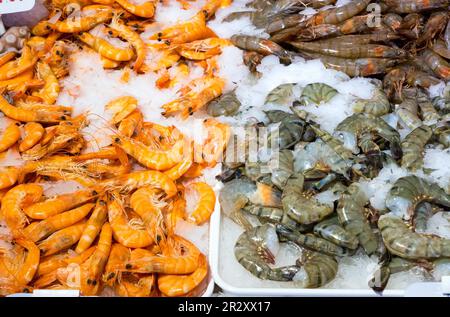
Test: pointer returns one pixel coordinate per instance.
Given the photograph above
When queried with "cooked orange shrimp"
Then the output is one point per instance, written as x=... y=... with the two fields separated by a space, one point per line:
x=10 y=136
x=149 y=157
x=28 y=115
x=145 y=204
x=33 y=134
x=6 y=57
x=18 y=66
x=15 y=199
x=121 y=107
x=136 y=286
x=213 y=147
x=184 y=262
x=58 y=204
x=21 y=80
x=109 y=63
x=93 y=226
x=183 y=166
x=8 y=176
x=133 y=38
x=185 y=32
x=195 y=170
x=188 y=103
x=123 y=232
x=210 y=8
x=177 y=210
x=181 y=285
x=62 y=239
x=161 y=58
x=134 y=180
x=131 y=124
x=89 y=18
x=145 y=10
x=117 y=258
x=206 y=203
x=60 y=221
x=202 y=49
x=49 y=93
x=106 y=49
x=56 y=261
x=92 y=269
x=31 y=264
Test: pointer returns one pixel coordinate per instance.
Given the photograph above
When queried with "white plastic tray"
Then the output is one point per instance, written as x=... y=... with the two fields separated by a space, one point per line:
x=418 y=289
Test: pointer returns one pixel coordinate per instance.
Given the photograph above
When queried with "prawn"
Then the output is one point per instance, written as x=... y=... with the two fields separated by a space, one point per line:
x=10 y=136
x=106 y=49
x=49 y=93
x=144 y=10
x=34 y=132
x=205 y=205
x=61 y=239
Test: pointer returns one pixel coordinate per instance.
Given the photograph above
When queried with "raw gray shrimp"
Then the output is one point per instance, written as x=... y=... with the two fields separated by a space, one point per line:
x=360 y=39
x=331 y=230
x=351 y=215
x=424 y=211
x=335 y=144
x=350 y=51
x=380 y=277
x=305 y=34
x=316 y=270
x=280 y=94
x=442 y=134
x=411 y=6
x=407 y=110
x=252 y=60
x=281 y=165
x=339 y=14
x=429 y=114
x=434 y=26
x=290 y=131
x=439 y=47
x=283 y=23
x=253 y=253
x=299 y=205
x=392 y=20
x=275 y=215
x=312 y=242
x=225 y=105
x=359 y=123
x=317 y=93
x=378 y=105
x=401 y=241
x=439 y=65
x=407 y=192
x=261 y=46
x=447 y=35
x=413 y=147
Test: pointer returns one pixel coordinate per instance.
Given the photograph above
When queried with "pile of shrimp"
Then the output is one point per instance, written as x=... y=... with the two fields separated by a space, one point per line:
x=115 y=235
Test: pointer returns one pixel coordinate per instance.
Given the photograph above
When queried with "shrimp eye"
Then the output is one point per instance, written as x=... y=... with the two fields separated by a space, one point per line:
x=63 y=118
x=94 y=192
x=111 y=275
x=48 y=27
x=18 y=124
x=101 y=202
x=117 y=140
x=160 y=34
x=89 y=282
x=26 y=290
x=94 y=282
x=167 y=42
x=158 y=238
x=128 y=266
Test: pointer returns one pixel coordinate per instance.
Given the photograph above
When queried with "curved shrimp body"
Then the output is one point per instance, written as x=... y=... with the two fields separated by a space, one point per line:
x=8 y=176
x=145 y=10
x=413 y=146
x=155 y=159
x=49 y=93
x=131 y=124
x=351 y=216
x=83 y=23
x=435 y=25
x=440 y=48
x=194 y=100
x=261 y=46
x=351 y=51
x=93 y=226
x=407 y=111
x=331 y=230
x=145 y=204
x=106 y=49
x=118 y=256
x=299 y=205
x=428 y=112
x=185 y=32
x=180 y=169
x=401 y=241
x=177 y=211
x=123 y=232
x=214 y=146
x=33 y=134
x=30 y=115
x=202 y=49
x=10 y=136
x=399 y=6
x=437 y=64
x=31 y=263
x=312 y=242
x=181 y=285
x=17 y=198
x=316 y=270
x=58 y=204
x=378 y=105
x=409 y=191
x=206 y=203
x=134 y=39
x=184 y=263
x=252 y=252
x=18 y=66
x=48 y=226
x=62 y=239
x=135 y=180
x=92 y=269
x=339 y=14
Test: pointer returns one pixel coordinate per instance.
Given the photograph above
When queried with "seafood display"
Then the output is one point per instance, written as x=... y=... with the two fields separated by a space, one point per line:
x=319 y=129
